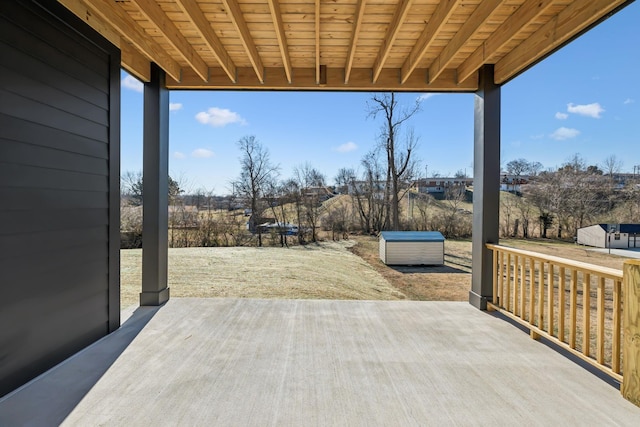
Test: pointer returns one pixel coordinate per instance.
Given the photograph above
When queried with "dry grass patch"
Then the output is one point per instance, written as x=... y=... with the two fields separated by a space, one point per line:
x=323 y=271
x=450 y=282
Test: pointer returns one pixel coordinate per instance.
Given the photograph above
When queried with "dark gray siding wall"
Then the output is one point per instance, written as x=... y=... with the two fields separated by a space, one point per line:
x=59 y=174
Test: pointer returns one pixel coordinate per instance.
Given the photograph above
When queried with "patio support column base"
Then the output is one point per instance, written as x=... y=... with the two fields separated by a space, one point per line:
x=154 y=297
x=478 y=301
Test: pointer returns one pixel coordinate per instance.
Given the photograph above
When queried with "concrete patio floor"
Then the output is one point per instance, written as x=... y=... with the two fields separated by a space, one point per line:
x=248 y=362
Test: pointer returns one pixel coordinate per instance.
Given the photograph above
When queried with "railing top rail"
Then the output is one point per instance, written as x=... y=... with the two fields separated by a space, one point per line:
x=562 y=262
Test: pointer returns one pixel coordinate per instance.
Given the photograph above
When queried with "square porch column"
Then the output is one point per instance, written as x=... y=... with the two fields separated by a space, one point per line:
x=486 y=186
x=155 y=189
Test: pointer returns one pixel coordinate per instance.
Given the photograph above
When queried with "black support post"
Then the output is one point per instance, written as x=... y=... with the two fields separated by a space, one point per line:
x=486 y=186
x=155 y=190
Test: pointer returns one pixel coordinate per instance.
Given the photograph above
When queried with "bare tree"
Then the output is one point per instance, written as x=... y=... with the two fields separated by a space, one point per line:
x=398 y=155
x=131 y=185
x=256 y=172
x=611 y=165
x=313 y=192
x=370 y=195
x=455 y=195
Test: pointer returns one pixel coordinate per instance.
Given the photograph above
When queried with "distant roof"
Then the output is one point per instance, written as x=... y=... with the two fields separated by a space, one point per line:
x=623 y=228
x=412 y=236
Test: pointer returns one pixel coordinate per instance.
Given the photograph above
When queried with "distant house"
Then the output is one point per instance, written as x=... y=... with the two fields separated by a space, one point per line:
x=440 y=185
x=511 y=183
x=285 y=229
x=616 y=236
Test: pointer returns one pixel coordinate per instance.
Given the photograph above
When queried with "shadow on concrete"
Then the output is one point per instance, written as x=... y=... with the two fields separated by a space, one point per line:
x=52 y=396
x=562 y=351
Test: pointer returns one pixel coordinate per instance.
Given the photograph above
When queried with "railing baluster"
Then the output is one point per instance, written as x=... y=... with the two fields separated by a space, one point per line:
x=550 y=285
x=516 y=291
x=562 y=285
x=573 y=309
x=541 y=296
x=586 y=313
x=615 y=343
x=523 y=284
x=494 y=298
x=600 y=316
x=501 y=285
x=532 y=289
x=507 y=297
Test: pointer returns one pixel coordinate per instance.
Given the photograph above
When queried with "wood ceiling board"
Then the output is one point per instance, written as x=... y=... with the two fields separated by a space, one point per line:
x=341 y=37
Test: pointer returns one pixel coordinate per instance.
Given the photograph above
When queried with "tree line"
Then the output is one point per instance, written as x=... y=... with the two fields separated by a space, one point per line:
x=381 y=196
x=558 y=202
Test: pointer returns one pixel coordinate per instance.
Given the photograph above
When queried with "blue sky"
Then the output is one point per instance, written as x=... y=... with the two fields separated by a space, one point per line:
x=584 y=99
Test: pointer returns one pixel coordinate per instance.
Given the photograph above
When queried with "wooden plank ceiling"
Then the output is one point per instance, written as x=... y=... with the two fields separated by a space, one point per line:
x=399 y=45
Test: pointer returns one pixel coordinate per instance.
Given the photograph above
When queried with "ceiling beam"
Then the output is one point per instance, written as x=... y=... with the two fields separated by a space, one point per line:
x=354 y=39
x=276 y=16
x=167 y=28
x=437 y=21
x=235 y=13
x=471 y=26
x=487 y=51
x=570 y=22
x=80 y=9
x=130 y=58
x=123 y=24
x=202 y=25
x=305 y=79
x=134 y=63
x=390 y=37
x=317 y=42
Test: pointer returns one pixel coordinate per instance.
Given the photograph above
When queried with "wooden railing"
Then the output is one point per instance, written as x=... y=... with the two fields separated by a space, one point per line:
x=574 y=304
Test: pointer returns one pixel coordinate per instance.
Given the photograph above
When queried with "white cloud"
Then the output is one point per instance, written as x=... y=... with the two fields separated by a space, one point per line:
x=346 y=147
x=563 y=133
x=590 y=110
x=179 y=155
x=175 y=106
x=426 y=96
x=561 y=116
x=629 y=101
x=132 y=83
x=219 y=117
x=538 y=136
x=202 y=153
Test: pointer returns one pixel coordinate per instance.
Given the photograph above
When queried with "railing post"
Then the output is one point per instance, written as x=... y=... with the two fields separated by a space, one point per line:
x=631 y=332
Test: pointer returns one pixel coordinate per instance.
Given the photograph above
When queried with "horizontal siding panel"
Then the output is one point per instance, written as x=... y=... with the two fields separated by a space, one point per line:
x=36 y=177
x=19 y=153
x=16 y=60
x=70 y=54
x=45 y=242
x=16 y=222
x=90 y=274
x=82 y=324
x=39 y=135
x=42 y=198
x=26 y=84
x=30 y=110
